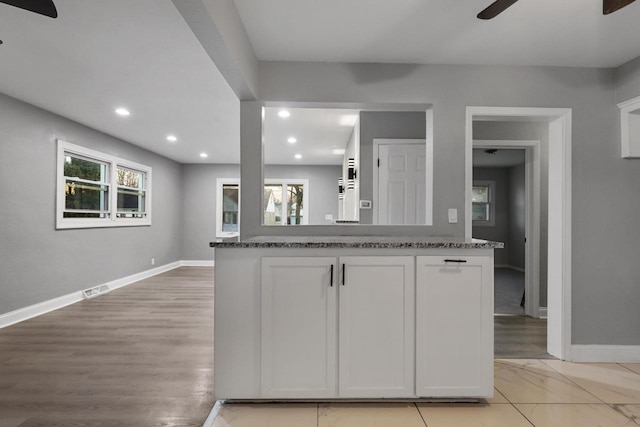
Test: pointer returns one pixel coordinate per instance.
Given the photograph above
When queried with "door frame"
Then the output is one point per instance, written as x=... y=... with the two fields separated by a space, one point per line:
x=559 y=241
x=532 y=216
x=377 y=142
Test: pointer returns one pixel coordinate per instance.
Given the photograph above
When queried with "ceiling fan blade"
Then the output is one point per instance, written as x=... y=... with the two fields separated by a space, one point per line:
x=496 y=8
x=43 y=7
x=610 y=6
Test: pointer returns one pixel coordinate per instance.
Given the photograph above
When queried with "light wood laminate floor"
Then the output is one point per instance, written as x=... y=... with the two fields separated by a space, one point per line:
x=139 y=356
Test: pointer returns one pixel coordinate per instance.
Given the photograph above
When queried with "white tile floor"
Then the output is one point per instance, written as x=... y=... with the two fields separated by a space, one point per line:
x=529 y=392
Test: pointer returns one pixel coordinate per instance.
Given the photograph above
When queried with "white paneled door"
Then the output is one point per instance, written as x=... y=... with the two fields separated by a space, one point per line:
x=401 y=183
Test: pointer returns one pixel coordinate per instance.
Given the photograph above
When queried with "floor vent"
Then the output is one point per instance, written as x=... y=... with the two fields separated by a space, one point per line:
x=95 y=291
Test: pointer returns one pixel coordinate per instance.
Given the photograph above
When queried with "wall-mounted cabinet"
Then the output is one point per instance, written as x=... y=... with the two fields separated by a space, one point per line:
x=630 y=127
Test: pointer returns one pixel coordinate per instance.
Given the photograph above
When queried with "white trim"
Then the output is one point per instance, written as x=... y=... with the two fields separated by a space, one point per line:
x=629 y=149
x=220 y=182
x=605 y=353
x=428 y=184
x=542 y=313
x=213 y=414
x=44 y=307
x=112 y=164
x=559 y=265
x=197 y=263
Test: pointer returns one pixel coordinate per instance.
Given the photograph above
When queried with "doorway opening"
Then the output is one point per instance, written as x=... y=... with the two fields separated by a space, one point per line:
x=506 y=207
x=557 y=131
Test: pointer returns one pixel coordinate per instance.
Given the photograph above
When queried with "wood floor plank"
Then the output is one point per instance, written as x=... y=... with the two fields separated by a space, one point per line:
x=141 y=355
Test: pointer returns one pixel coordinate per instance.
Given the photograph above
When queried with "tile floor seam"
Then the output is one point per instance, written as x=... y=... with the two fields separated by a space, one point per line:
x=420 y=413
x=572 y=381
x=523 y=415
x=628 y=369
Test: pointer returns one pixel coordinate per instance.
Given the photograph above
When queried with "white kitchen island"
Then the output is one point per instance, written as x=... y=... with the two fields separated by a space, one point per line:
x=345 y=317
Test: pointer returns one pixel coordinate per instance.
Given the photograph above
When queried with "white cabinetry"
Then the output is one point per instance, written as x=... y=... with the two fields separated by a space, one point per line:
x=454 y=326
x=375 y=332
x=376 y=328
x=298 y=327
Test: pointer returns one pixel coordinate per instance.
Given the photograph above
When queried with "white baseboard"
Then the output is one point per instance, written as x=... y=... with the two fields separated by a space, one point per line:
x=542 y=312
x=605 y=353
x=25 y=313
x=213 y=414
x=197 y=263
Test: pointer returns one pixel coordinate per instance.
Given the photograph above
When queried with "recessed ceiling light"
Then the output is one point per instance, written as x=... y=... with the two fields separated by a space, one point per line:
x=122 y=112
x=172 y=138
x=298 y=156
x=204 y=155
x=292 y=140
x=284 y=114
x=338 y=151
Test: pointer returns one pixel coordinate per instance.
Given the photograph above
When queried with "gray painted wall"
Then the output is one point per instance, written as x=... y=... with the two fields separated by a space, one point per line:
x=199 y=188
x=628 y=80
x=498 y=232
x=604 y=246
x=383 y=124
x=531 y=132
x=517 y=213
x=38 y=262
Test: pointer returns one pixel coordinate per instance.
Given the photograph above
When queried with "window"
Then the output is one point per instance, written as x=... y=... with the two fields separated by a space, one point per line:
x=98 y=190
x=284 y=203
x=227 y=207
x=482 y=203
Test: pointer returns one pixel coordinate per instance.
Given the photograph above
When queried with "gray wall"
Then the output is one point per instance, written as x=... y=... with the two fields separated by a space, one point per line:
x=199 y=188
x=628 y=80
x=383 y=124
x=604 y=246
x=38 y=262
x=499 y=232
x=532 y=132
x=517 y=223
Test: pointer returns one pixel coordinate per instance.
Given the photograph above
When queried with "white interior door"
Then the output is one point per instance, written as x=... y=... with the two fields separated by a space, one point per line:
x=401 y=183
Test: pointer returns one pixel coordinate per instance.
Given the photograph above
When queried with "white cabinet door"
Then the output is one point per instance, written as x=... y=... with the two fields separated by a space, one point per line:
x=298 y=327
x=454 y=326
x=376 y=327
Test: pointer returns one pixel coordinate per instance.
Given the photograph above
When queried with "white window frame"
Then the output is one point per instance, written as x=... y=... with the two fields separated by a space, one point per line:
x=491 y=202
x=221 y=182
x=305 y=191
x=112 y=163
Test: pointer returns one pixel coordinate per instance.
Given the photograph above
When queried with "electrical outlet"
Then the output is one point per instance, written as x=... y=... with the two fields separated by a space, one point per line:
x=153 y=261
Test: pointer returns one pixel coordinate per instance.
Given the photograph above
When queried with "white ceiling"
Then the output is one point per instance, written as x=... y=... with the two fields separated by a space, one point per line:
x=503 y=158
x=99 y=55
x=317 y=130
x=531 y=32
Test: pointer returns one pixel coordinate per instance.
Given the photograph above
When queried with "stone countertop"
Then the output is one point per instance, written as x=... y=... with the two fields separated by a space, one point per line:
x=358 y=242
